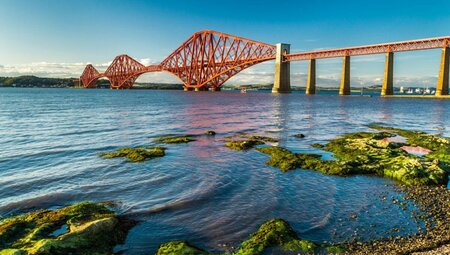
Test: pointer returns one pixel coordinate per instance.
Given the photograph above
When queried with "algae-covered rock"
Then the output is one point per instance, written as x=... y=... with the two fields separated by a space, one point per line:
x=179 y=248
x=368 y=153
x=136 y=154
x=170 y=139
x=91 y=229
x=281 y=158
x=273 y=233
x=440 y=146
x=243 y=145
x=243 y=141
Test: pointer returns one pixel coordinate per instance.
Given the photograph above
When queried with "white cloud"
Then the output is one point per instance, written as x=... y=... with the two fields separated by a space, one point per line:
x=259 y=74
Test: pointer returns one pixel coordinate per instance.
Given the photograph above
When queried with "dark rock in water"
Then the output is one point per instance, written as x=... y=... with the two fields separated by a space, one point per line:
x=299 y=136
x=210 y=133
x=92 y=229
x=273 y=233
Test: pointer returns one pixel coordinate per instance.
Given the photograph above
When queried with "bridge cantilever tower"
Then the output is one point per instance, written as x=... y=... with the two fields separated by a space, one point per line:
x=209 y=58
x=205 y=60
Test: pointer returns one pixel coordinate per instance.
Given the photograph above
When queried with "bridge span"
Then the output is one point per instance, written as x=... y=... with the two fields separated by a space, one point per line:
x=208 y=59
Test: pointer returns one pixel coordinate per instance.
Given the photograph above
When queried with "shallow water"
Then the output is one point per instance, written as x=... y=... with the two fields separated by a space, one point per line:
x=201 y=191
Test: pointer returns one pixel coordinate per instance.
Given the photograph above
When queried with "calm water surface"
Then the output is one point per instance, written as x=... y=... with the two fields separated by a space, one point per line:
x=201 y=191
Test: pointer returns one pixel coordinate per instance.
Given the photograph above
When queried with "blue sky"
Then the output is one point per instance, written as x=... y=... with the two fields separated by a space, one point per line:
x=57 y=38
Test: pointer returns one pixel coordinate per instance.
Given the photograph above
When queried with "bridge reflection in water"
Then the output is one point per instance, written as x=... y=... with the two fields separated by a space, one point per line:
x=207 y=59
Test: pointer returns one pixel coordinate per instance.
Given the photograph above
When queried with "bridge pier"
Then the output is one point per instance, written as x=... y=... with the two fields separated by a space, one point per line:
x=344 y=89
x=311 y=83
x=215 y=89
x=201 y=89
x=442 y=85
x=282 y=79
x=388 y=82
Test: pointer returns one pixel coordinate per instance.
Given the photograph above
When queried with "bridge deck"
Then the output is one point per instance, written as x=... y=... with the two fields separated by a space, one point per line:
x=423 y=44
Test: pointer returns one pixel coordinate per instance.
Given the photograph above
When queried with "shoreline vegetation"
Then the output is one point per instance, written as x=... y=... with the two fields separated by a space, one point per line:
x=30 y=81
x=418 y=162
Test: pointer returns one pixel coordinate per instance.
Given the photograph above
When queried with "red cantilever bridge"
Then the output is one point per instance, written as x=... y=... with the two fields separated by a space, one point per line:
x=208 y=59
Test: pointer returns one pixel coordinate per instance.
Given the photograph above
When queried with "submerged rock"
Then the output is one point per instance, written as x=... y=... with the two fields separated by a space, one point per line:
x=273 y=233
x=92 y=229
x=138 y=154
x=243 y=145
x=367 y=153
x=243 y=141
x=210 y=133
x=169 y=139
x=299 y=136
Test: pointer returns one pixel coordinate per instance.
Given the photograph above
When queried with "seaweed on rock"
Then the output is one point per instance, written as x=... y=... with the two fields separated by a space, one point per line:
x=273 y=233
x=243 y=141
x=370 y=153
x=138 y=154
x=92 y=229
x=171 y=139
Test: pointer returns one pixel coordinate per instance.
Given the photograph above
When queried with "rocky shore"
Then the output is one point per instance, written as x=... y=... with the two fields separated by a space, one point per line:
x=94 y=228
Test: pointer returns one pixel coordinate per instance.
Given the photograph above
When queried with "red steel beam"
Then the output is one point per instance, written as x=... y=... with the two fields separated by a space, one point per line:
x=209 y=58
x=422 y=44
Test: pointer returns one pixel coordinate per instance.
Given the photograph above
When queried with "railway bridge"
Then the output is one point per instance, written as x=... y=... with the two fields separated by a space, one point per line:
x=207 y=59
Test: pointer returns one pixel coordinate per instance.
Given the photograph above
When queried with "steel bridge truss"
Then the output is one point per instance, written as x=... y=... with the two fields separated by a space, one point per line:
x=208 y=59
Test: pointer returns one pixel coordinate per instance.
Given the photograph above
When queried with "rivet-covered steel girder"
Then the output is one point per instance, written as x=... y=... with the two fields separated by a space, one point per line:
x=208 y=58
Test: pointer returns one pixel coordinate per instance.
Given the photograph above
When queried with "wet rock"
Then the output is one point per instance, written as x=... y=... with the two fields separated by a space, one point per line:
x=282 y=158
x=171 y=139
x=364 y=153
x=273 y=233
x=179 y=248
x=138 y=154
x=210 y=133
x=299 y=136
x=93 y=229
x=245 y=142
x=243 y=145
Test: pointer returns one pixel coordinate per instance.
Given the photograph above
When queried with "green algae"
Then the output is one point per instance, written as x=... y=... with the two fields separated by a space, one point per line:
x=174 y=139
x=179 y=248
x=368 y=153
x=138 y=154
x=243 y=145
x=92 y=229
x=273 y=233
x=243 y=141
x=440 y=146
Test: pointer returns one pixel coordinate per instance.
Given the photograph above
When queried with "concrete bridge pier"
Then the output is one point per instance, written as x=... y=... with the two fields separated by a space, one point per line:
x=282 y=79
x=388 y=82
x=201 y=89
x=344 y=89
x=311 y=83
x=187 y=89
x=442 y=85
